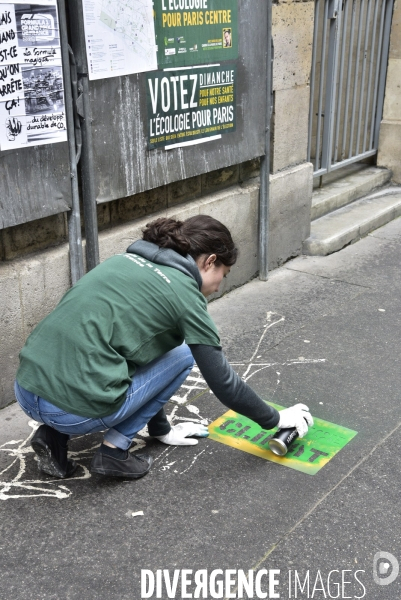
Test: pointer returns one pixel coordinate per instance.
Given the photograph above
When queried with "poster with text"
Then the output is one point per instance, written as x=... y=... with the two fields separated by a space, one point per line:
x=190 y=104
x=32 y=108
x=194 y=32
x=119 y=36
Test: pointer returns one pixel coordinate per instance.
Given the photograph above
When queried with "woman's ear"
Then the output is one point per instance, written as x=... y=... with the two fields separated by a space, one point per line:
x=209 y=262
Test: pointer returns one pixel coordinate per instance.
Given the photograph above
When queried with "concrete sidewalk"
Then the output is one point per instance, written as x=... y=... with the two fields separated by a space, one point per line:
x=322 y=330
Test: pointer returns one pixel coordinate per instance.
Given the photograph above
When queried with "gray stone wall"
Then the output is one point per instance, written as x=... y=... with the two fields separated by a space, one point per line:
x=389 y=154
x=292 y=176
x=51 y=231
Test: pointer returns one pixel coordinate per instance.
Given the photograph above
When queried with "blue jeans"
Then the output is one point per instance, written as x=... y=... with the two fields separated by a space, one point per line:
x=152 y=386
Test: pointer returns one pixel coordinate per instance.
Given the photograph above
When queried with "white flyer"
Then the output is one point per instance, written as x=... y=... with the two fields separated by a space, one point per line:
x=119 y=37
x=32 y=110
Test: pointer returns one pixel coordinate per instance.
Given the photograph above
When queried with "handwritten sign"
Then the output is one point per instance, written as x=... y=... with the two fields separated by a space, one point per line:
x=32 y=108
x=309 y=454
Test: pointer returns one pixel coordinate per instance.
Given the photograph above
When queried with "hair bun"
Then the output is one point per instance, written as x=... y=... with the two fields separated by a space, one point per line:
x=166 y=233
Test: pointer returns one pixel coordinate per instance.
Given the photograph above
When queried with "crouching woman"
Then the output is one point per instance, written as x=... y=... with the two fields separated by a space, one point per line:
x=122 y=341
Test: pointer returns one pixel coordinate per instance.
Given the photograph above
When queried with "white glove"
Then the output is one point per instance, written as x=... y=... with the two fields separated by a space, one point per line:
x=297 y=416
x=178 y=434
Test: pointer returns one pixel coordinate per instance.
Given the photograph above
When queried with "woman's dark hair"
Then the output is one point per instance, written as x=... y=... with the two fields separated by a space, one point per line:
x=195 y=236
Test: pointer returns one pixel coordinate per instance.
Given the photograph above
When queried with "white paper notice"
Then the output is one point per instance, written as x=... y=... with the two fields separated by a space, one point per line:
x=31 y=80
x=120 y=37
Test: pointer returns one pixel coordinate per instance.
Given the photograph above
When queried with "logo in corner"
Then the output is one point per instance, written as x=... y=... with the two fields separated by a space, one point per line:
x=385 y=568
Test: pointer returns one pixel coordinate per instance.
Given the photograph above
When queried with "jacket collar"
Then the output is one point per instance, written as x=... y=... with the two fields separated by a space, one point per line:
x=168 y=258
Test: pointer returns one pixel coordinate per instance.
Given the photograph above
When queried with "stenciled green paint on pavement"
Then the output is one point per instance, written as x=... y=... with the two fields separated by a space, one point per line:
x=308 y=454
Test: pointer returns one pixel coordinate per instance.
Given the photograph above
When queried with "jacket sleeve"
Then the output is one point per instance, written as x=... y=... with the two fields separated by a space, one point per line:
x=230 y=389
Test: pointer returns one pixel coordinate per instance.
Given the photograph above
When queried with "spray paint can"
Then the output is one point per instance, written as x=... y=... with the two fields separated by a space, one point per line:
x=282 y=440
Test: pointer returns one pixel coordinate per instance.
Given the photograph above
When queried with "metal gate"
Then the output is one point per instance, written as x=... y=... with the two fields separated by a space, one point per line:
x=349 y=64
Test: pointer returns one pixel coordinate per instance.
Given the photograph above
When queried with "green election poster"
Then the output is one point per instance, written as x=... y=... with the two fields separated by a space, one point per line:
x=193 y=32
x=191 y=103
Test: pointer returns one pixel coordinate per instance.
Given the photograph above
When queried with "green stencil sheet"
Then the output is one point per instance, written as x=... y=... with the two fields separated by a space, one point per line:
x=308 y=455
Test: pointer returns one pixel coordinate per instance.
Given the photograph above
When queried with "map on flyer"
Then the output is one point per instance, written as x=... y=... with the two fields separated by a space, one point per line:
x=119 y=36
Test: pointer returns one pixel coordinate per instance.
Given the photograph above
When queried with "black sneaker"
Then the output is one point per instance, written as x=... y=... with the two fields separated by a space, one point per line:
x=132 y=466
x=50 y=447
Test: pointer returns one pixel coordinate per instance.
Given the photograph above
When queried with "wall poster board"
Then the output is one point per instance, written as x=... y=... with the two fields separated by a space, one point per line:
x=149 y=127
x=32 y=108
x=128 y=157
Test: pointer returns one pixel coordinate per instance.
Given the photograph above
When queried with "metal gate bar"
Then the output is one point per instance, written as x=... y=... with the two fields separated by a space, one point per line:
x=365 y=53
x=383 y=70
x=349 y=64
x=340 y=87
x=370 y=76
x=349 y=68
x=377 y=67
x=358 y=45
x=321 y=83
